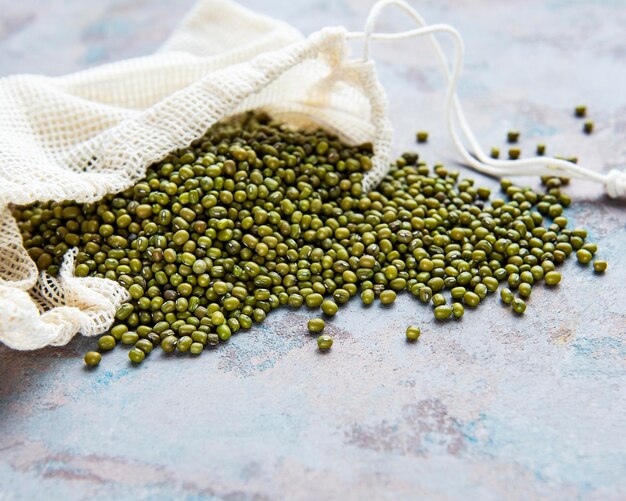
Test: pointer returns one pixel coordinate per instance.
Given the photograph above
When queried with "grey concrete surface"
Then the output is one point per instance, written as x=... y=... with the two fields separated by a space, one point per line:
x=491 y=407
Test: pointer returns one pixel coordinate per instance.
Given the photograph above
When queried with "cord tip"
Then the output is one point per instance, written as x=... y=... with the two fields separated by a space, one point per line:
x=615 y=183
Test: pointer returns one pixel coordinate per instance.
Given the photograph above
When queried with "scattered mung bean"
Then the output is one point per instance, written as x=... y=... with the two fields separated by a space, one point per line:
x=324 y=342
x=519 y=306
x=92 y=358
x=512 y=136
x=422 y=136
x=316 y=325
x=600 y=266
x=254 y=215
x=412 y=333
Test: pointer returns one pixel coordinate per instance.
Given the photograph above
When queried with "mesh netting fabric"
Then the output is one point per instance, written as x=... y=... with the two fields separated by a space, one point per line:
x=82 y=136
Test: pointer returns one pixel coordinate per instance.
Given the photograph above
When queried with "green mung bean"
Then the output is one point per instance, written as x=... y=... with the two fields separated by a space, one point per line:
x=584 y=256
x=442 y=312
x=168 y=344
x=316 y=325
x=506 y=295
x=438 y=300
x=144 y=345
x=412 y=333
x=524 y=289
x=512 y=136
x=196 y=348
x=324 y=342
x=519 y=306
x=314 y=300
x=458 y=310
x=130 y=337
x=184 y=343
x=600 y=266
x=106 y=342
x=387 y=297
x=471 y=299
x=92 y=358
x=552 y=277
x=136 y=355
x=514 y=153
x=329 y=307
x=368 y=296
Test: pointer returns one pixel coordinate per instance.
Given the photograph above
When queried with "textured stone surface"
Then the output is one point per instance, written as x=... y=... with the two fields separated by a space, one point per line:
x=492 y=407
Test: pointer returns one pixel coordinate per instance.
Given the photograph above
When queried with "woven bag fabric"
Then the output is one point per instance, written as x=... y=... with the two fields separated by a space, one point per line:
x=84 y=135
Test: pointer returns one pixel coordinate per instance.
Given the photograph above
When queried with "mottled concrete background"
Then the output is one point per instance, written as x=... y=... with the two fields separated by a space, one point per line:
x=491 y=407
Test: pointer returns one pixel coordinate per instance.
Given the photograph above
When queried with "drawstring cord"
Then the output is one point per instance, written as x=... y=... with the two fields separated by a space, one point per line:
x=614 y=181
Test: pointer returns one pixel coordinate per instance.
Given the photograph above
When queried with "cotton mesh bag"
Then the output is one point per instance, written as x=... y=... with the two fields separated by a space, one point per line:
x=84 y=135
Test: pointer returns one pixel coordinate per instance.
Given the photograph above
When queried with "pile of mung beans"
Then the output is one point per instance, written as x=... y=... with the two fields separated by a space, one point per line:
x=255 y=215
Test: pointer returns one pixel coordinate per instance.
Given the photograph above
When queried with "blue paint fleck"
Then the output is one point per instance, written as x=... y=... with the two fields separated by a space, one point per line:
x=109 y=377
x=107 y=28
x=604 y=345
x=95 y=54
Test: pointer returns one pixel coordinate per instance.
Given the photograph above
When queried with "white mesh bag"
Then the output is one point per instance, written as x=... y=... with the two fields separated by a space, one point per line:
x=81 y=136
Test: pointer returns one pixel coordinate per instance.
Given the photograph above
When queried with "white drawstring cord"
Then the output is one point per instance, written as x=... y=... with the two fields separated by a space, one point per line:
x=614 y=182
